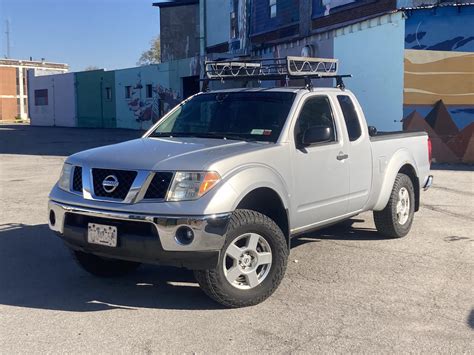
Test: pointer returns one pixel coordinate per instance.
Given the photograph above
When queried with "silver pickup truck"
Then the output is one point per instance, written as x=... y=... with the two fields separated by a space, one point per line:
x=222 y=183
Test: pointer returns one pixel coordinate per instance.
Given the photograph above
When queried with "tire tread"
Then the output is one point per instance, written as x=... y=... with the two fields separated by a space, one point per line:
x=384 y=220
x=208 y=280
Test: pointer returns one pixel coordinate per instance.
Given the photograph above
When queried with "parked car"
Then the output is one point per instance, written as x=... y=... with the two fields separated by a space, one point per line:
x=223 y=182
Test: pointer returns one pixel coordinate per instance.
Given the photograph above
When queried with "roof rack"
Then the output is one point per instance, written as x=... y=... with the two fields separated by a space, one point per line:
x=274 y=69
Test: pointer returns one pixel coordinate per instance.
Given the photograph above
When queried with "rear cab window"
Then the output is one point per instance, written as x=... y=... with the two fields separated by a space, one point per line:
x=350 y=117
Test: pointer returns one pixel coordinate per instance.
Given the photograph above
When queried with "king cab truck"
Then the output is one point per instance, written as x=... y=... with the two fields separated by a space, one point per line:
x=223 y=182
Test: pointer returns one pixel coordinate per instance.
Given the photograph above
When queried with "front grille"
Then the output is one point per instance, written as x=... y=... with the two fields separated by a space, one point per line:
x=144 y=229
x=159 y=185
x=125 y=180
x=77 y=179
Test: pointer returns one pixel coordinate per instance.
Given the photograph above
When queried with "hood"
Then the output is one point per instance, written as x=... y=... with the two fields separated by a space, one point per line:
x=163 y=153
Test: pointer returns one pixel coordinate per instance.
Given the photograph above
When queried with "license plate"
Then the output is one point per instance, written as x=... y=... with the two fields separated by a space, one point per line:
x=102 y=234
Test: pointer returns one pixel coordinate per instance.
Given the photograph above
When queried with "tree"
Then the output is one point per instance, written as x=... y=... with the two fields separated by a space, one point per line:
x=152 y=55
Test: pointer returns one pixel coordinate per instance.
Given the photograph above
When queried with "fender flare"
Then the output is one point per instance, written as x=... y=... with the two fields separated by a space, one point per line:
x=399 y=159
x=246 y=179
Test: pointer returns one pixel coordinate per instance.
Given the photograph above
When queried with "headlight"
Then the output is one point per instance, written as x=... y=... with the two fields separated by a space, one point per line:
x=64 y=181
x=191 y=185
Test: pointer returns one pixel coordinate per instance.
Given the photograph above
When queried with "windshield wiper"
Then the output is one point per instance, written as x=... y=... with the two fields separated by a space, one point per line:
x=215 y=135
x=172 y=134
x=234 y=136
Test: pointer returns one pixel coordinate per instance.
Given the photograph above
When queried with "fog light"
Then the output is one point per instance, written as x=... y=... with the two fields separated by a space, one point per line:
x=184 y=235
x=52 y=218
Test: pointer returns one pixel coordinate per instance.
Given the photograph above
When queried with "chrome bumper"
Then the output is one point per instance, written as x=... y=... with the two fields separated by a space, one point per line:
x=209 y=230
x=428 y=182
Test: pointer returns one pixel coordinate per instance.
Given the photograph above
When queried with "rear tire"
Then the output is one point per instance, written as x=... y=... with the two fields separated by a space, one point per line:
x=395 y=220
x=104 y=267
x=252 y=262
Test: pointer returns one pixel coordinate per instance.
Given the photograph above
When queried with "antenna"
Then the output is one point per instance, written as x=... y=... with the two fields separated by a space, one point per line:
x=7 y=32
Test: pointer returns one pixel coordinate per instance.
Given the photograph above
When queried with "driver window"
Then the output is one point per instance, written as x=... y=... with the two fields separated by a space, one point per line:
x=316 y=111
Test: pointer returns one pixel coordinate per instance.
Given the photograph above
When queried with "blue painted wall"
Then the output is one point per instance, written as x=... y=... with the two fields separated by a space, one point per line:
x=374 y=56
x=441 y=29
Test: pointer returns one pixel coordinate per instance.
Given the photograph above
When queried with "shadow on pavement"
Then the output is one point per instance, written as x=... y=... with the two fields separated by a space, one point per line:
x=37 y=271
x=58 y=141
x=470 y=319
x=341 y=231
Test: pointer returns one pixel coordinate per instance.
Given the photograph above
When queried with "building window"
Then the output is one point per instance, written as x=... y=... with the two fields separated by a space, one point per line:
x=273 y=8
x=18 y=81
x=128 y=92
x=108 y=93
x=41 y=97
x=149 y=91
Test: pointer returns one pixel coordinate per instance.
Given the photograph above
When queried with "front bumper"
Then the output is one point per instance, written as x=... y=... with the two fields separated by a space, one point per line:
x=146 y=238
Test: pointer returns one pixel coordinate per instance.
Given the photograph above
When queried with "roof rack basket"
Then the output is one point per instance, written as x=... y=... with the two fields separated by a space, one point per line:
x=274 y=69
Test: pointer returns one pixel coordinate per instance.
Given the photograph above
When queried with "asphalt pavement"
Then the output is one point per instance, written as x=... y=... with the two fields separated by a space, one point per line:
x=347 y=289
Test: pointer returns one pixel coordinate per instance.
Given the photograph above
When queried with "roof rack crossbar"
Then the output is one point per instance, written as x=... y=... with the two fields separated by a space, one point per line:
x=282 y=69
x=292 y=66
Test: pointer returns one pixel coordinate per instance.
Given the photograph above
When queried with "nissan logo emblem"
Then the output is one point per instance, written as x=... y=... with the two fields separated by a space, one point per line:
x=110 y=183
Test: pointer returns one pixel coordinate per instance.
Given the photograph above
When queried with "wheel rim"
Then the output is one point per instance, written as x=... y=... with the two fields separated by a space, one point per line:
x=403 y=206
x=247 y=261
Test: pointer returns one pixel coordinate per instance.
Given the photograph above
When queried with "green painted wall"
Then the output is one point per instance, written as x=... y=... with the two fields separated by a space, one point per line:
x=94 y=109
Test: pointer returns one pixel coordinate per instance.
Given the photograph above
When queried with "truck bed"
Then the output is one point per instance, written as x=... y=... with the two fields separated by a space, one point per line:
x=380 y=136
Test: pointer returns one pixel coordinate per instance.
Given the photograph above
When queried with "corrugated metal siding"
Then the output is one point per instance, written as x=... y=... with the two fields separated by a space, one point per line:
x=261 y=22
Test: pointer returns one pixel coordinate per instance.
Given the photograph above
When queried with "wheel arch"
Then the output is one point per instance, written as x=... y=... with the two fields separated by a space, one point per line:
x=401 y=162
x=267 y=201
x=410 y=171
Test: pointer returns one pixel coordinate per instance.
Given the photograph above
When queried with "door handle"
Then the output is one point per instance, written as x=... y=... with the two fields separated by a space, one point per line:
x=342 y=156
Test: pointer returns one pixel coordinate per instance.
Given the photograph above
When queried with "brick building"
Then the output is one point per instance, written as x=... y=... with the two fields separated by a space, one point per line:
x=14 y=85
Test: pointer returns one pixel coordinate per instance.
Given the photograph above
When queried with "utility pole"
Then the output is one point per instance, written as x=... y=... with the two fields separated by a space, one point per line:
x=7 y=32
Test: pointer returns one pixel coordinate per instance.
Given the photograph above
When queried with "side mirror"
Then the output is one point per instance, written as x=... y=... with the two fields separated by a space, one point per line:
x=317 y=134
x=372 y=131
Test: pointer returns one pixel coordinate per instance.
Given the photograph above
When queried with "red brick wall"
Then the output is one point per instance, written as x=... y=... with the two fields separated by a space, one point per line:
x=8 y=105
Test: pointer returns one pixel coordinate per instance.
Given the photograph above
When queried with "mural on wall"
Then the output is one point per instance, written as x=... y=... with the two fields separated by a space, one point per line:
x=440 y=29
x=151 y=109
x=439 y=80
x=169 y=98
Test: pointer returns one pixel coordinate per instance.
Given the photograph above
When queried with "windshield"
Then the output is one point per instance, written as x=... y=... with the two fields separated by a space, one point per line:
x=258 y=116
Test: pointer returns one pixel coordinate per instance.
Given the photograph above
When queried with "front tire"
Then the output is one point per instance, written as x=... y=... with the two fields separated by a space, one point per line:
x=395 y=220
x=252 y=262
x=104 y=267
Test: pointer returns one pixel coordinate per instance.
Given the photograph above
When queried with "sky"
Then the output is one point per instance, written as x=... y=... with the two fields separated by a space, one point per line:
x=109 y=34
